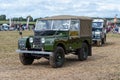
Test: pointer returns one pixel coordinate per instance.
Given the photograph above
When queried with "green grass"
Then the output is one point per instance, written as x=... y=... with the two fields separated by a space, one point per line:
x=9 y=39
x=113 y=35
x=1 y=22
x=22 y=22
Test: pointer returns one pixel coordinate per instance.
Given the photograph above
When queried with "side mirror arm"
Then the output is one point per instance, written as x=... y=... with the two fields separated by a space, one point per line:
x=20 y=33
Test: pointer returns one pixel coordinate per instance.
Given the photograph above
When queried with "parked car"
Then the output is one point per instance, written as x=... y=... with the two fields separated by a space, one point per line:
x=99 y=31
x=5 y=27
x=24 y=27
x=56 y=36
x=11 y=29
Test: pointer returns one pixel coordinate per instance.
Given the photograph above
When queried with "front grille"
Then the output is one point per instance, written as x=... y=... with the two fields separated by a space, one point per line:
x=22 y=45
x=37 y=43
x=37 y=33
x=37 y=40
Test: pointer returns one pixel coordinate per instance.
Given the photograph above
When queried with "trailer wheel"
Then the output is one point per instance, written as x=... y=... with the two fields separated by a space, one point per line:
x=83 y=52
x=26 y=59
x=57 y=58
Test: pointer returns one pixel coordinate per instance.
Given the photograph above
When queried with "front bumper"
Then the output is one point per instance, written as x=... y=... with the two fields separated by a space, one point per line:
x=33 y=52
x=96 y=39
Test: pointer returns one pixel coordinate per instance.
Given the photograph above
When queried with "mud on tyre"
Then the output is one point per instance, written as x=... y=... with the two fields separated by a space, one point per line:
x=57 y=58
x=26 y=59
x=83 y=52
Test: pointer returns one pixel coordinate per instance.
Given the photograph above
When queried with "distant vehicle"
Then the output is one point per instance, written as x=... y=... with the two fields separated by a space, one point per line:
x=24 y=27
x=5 y=27
x=11 y=28
x=0 y=28
x=99 y=31
x=56 y=36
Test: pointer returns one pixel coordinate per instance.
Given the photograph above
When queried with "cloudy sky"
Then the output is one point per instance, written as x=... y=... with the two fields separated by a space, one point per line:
x=43 y=8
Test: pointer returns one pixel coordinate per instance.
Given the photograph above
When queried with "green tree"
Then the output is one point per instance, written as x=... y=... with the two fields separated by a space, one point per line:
x=15 y=19
x=30 y=17
x=37 y=19
x=3 y=17
x=22 y=19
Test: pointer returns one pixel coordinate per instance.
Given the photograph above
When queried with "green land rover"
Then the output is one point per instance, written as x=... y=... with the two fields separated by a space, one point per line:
x=56 y=36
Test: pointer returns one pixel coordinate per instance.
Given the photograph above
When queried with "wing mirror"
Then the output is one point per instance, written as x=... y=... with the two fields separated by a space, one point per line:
x=20 y=33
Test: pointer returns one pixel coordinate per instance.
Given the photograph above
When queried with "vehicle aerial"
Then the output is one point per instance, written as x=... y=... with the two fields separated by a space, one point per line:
x=99 y=31
x=56 y=36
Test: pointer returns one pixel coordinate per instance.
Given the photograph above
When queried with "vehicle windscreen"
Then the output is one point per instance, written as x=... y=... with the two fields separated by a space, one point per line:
x=97 y=24
x=52 y=25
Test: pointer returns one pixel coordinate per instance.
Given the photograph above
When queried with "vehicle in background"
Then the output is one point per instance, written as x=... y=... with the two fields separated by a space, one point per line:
x=12 y=29
x=56 y=36
x=24 y=27
x=0 y=28
x=99 y=31
x=5 y=27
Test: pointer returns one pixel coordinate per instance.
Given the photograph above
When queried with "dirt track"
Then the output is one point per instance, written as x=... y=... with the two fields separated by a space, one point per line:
x=103 y=65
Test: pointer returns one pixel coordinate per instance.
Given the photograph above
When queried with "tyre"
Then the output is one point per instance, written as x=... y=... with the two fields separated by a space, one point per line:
x=99 y=43
x=83 y=52
x=57 y=58
x=26 y=59
x=104 y=40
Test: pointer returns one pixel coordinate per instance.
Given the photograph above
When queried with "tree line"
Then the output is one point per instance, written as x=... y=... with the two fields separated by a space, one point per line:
x=3 y=18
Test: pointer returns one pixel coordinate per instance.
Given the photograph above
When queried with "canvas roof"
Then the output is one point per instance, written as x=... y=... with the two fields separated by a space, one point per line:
x=67 y=17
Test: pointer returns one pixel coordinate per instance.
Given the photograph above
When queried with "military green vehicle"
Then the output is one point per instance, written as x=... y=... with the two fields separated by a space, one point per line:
x=56 y=36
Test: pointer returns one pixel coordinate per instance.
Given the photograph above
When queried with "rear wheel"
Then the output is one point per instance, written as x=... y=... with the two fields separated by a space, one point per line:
x=26 y=59
x=57 y=58
x=83 y=52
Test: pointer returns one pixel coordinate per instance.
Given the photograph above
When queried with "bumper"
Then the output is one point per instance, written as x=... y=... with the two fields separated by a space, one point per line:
x=96 y=39
x=33 y=52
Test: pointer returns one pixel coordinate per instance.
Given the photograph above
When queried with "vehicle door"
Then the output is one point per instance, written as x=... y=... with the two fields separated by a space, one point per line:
x=74 y=34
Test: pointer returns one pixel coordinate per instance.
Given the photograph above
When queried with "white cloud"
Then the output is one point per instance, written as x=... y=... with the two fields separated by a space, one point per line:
x=42 y=8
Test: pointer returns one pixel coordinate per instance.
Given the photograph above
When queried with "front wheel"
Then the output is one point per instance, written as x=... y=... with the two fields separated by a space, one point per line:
x=83 y=52
x=57 y=58
x=99 y=43
x=104 y=40
x=26 y=59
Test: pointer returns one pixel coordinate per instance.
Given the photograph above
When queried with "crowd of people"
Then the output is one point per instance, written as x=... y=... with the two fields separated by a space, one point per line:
x=18 y=27
x=112 y=27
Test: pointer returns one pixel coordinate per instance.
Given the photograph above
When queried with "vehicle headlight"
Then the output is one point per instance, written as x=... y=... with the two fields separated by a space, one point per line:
x=97 y=33
x=42 y=40
x=31 y=40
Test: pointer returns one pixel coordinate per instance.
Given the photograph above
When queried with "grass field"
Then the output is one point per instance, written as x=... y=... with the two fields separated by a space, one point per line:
x=104 y=64
x=22 y=22
x=8 y=40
